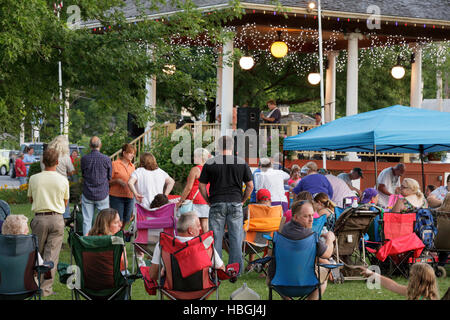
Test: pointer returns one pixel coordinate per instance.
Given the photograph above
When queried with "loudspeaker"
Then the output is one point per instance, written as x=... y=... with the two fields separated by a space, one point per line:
x=248 y=118
x=134 y=130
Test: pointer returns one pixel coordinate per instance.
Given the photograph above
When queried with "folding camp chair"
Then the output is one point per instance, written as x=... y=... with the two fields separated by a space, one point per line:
x=189 y=270
x=350 y=228
x=101 y=271
x=5 y=211
x=400 y=246
x=296 y=269
x=148 y=225
x=261 y=220
x=18 y=266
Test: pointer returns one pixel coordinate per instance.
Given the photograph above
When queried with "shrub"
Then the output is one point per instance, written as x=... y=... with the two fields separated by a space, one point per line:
x=35 y=167
x=14 y=196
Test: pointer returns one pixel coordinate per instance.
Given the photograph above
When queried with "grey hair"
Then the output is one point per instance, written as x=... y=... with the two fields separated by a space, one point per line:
x=15 y=224
x=95 y=142
x=265 y=164
x=61 y=144
x=186 y=221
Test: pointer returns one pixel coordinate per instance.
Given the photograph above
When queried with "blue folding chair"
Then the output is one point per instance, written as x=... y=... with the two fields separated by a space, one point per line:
x=18 y=264
x=295 y=267
x=318 y=224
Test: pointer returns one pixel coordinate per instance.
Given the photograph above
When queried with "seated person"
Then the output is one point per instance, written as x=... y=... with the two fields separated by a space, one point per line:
x=107 y=223
x=421 y=284
x=188 y=227
x=303 y=195
x=413 y=199
x=437 y=195
x=299 y=228
x=153 y=234
x=429 y=189
x=369 y=195
x=324 y=206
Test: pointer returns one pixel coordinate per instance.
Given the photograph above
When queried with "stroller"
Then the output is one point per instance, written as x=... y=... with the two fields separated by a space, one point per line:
x=5 y=211
x=349 y=229
x=441 y=242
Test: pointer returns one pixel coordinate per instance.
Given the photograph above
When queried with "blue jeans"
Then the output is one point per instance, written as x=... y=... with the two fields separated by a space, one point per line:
x=22 y=180
x=123 y=205
x=88 y=209
x=229 y=213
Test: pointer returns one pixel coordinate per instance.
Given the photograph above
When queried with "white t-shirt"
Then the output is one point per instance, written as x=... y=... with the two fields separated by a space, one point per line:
x=345 y=177
x=440 y=193
x=149 y=183
x=391 y=182
x=272 y=180
x=157 y=253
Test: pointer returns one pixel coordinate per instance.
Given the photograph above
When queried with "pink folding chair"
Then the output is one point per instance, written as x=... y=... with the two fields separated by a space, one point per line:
x=150 y=223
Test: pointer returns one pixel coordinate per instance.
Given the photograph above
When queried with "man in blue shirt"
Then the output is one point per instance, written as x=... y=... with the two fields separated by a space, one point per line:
x=96 y=170
x=314 y=182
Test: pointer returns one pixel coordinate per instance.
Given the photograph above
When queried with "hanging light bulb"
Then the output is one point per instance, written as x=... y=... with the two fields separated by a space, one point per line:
x=311 y=6
x=314 y=78
x=246 y=62
x=279 y=49
x=169 y=69
x=398 y=71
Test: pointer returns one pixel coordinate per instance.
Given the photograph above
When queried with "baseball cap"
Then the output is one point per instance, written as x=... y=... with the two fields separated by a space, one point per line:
x=368 y=194
x=358 y=171
x=263 y=194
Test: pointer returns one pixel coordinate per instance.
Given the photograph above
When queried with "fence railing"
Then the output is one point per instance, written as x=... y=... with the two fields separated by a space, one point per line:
x=284 y=129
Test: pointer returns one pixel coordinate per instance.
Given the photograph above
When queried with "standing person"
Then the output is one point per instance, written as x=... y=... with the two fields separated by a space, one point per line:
x=96 y=170
x=21 y=170
x=120 y=196
x=389 y=183
x=314 y=182
x=355 y=174
x=341 y=190
x=48 y=192
x=295 y=176
x=191 y=191
x=74 y=156
x=65 y=166
x=274 y=115
x=318 y=118
x=437 y=196
x=272 y=180
x=29 y=158
x=149 y=180
x=226 y=174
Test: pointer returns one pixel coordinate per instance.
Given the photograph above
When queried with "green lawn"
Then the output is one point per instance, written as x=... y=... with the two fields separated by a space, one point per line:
x=349 y=290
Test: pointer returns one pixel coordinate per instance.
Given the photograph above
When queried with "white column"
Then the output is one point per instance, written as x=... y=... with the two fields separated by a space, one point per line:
x=352 y=74
x=66 y=114
x=227 y=87
x=330 y=88
x=416 y=78
x=150 y=104
x=219 y=83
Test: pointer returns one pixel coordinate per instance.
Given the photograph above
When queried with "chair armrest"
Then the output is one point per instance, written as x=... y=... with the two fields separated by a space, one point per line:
x=262 y=261
x=331 y=266
x=45 y=267
x=268 y=237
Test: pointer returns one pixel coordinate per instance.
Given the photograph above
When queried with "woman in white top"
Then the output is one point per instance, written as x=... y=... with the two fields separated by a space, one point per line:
x=149 y=180
x=274 y=181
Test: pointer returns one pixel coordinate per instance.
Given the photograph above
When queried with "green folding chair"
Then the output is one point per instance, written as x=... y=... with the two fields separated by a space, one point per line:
x=97 y=274
x=18 y=267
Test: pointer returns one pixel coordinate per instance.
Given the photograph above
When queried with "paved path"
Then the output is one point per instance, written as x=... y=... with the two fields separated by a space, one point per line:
x=11 y=183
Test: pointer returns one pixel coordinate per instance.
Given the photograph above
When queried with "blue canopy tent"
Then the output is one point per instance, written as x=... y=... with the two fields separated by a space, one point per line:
x=396 y=129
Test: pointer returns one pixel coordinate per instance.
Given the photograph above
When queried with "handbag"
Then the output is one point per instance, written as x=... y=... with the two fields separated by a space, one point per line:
x=188 y=205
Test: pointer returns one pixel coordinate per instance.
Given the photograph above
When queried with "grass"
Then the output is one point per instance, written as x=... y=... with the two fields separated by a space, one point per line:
x=349 y=290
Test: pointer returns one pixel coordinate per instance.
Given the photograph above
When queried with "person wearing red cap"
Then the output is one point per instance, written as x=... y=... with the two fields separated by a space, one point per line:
x=263 y=196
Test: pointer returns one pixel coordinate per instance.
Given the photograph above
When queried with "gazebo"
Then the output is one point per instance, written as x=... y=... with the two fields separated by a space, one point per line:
x=346 y=25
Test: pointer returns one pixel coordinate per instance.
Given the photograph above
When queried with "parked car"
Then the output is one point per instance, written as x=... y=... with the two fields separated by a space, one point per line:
x=4 y=162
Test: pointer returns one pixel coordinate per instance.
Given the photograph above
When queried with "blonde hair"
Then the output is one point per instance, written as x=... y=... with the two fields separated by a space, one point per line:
x=422 y=283
x=15 y=224
x=61 y=144
x=202 y=154
x=323 y=199
x=414 y=186
x=312 y=166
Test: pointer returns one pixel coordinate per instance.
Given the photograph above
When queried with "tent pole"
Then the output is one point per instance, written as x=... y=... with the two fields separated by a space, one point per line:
x=375 y=164
x=423 y=172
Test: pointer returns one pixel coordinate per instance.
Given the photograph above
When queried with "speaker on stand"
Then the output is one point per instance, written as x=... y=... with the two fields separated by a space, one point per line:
x=248 y=118
x=133 y=129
